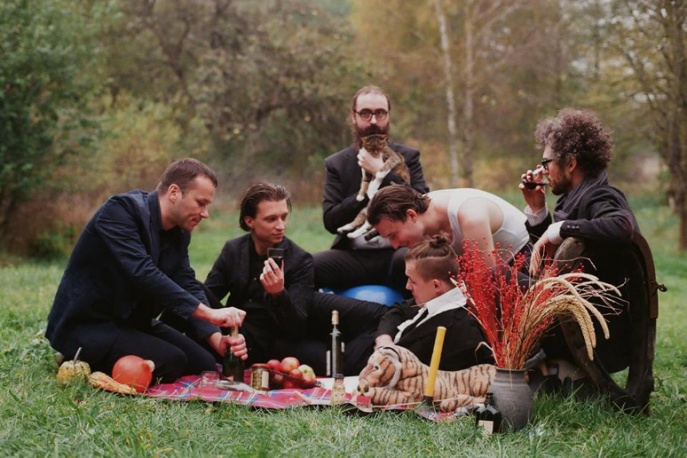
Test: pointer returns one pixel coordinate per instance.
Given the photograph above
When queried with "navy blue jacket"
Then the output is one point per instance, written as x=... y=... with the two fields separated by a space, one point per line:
x=124 y=270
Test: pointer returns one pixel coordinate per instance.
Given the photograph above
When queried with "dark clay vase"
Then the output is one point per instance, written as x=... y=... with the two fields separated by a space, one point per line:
x=513 y=398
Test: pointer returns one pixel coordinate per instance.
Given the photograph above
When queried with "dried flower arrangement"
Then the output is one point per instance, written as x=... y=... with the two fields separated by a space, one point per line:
x=515 y=317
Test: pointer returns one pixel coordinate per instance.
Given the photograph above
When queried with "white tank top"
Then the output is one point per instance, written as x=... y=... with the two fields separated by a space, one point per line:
x=511 y=237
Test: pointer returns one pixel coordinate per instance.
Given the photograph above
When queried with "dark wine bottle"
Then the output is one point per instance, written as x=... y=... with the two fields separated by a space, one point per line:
x=487 y=416
x=232 y=365
x=335 y=348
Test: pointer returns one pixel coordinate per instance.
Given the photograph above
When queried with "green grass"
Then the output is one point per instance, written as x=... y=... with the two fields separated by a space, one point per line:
x=40 y=417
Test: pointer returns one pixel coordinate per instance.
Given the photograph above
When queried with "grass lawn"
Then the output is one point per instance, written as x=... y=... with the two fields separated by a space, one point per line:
x=39 y=417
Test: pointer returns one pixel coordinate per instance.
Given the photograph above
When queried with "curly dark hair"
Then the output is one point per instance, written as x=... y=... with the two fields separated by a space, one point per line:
x=394 y=201
x=434 y=258
x=257 y=193
x=578 y=134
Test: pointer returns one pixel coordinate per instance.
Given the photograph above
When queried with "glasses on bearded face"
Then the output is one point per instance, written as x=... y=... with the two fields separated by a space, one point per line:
x=366 y=114
x=545 y=163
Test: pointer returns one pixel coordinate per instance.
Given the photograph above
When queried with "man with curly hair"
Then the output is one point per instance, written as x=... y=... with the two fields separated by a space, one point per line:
x=577 y=151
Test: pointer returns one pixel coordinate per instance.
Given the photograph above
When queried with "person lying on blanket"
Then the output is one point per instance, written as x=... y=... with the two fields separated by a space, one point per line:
x=436 y=302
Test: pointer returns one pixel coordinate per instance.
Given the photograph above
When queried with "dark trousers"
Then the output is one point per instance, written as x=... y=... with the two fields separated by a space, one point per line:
x=341 y=269
x=358 y=321
x=173 y=353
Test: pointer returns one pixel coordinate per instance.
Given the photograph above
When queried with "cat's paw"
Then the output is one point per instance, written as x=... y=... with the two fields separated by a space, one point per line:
x=360 y=231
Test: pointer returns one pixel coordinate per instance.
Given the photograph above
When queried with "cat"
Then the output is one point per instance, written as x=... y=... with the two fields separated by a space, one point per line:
x=375 y=144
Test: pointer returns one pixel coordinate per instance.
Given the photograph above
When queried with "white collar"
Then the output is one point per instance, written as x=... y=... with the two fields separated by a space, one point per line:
x=451 y=299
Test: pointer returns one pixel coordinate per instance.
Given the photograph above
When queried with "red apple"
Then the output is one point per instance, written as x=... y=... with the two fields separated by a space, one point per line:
x=296 y=374
x=274 y=365
x=288 y=364
x=277 y=379
x=288 y=384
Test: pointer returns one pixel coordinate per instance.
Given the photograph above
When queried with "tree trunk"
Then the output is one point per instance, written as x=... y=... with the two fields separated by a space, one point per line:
x=450 y=99
x=468 y=104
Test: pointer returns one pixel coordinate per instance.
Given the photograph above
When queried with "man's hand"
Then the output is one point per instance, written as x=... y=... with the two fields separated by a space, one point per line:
x=224 y=317
x=272 y=277
x=545 y=248
x=383 y=341
x=368 y=162
x=535 y=198
x=222 y=344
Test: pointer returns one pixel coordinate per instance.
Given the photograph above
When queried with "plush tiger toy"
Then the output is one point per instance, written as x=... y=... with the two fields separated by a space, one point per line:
x=394 y=375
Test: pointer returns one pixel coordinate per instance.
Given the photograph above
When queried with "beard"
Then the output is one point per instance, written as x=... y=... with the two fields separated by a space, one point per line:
x=372 y=129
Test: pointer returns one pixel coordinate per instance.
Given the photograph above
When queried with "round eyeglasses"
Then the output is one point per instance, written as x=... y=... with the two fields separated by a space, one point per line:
x=366 y=114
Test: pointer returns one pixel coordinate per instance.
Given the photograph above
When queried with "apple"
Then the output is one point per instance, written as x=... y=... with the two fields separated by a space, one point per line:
x=274 y=365
x=288 y=384
x=288 y=364
x=295 y=374
x=277 y=379
x=307 y=371
x=309 y=377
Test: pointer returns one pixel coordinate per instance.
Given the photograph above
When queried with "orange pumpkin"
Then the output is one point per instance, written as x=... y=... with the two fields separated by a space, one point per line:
x=134 y=371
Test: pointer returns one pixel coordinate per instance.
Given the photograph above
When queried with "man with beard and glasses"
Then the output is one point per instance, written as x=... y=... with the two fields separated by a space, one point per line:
x=352 y=262
x=577 y=149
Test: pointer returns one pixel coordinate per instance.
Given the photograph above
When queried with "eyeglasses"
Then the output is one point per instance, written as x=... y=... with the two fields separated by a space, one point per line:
x=545 y=163
x=366 y=114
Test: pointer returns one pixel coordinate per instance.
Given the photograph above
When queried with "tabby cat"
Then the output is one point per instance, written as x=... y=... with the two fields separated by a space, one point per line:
x=375 y=144
x=394 y=375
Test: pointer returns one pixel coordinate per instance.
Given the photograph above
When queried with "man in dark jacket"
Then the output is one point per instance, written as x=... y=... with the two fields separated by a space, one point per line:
x=131 y=263
x=436 y=302
x=577 y=151
x=285 y=316
x=352 y=262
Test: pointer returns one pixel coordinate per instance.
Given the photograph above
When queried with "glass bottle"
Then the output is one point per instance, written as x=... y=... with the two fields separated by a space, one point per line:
x=338 y=391
x=487 y=416
x=232 y=365
x=335 y=348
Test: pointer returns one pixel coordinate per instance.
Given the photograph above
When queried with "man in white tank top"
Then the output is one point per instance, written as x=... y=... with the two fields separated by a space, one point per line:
x=405 y=217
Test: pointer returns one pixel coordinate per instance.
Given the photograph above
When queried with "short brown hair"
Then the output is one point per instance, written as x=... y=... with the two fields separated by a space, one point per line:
x=257 y=193
x=434 y=258
x=578 y=134
x=394 y=201
x=182 y=172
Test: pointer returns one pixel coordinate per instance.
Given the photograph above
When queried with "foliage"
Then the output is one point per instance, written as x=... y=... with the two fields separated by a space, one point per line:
x=44 y=48
x=269 y=80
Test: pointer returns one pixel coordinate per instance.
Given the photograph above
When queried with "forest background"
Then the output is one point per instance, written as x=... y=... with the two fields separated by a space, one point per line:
x=96 y=97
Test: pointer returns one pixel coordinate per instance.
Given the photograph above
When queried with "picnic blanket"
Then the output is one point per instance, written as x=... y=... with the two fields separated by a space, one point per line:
x=189 y=389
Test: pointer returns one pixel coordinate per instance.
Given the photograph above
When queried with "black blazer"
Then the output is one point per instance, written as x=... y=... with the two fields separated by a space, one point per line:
x=605 y=221
x=461 y=348
x=230 y=274
x=342 y=183
x=124 y=270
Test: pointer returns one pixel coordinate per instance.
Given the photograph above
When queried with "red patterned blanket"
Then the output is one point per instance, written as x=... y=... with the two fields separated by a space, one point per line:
x=188 y=388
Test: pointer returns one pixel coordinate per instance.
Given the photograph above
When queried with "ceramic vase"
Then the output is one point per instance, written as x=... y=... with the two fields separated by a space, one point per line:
x=513 y=398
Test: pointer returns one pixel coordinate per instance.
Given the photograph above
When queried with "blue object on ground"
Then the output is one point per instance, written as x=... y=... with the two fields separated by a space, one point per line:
x=373 y=293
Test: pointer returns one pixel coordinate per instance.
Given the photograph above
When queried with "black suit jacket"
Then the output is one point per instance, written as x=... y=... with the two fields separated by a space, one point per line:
x=461 y=348
x=342 y=183
x=124 y=270
x=230 y=274
x=605 y=221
